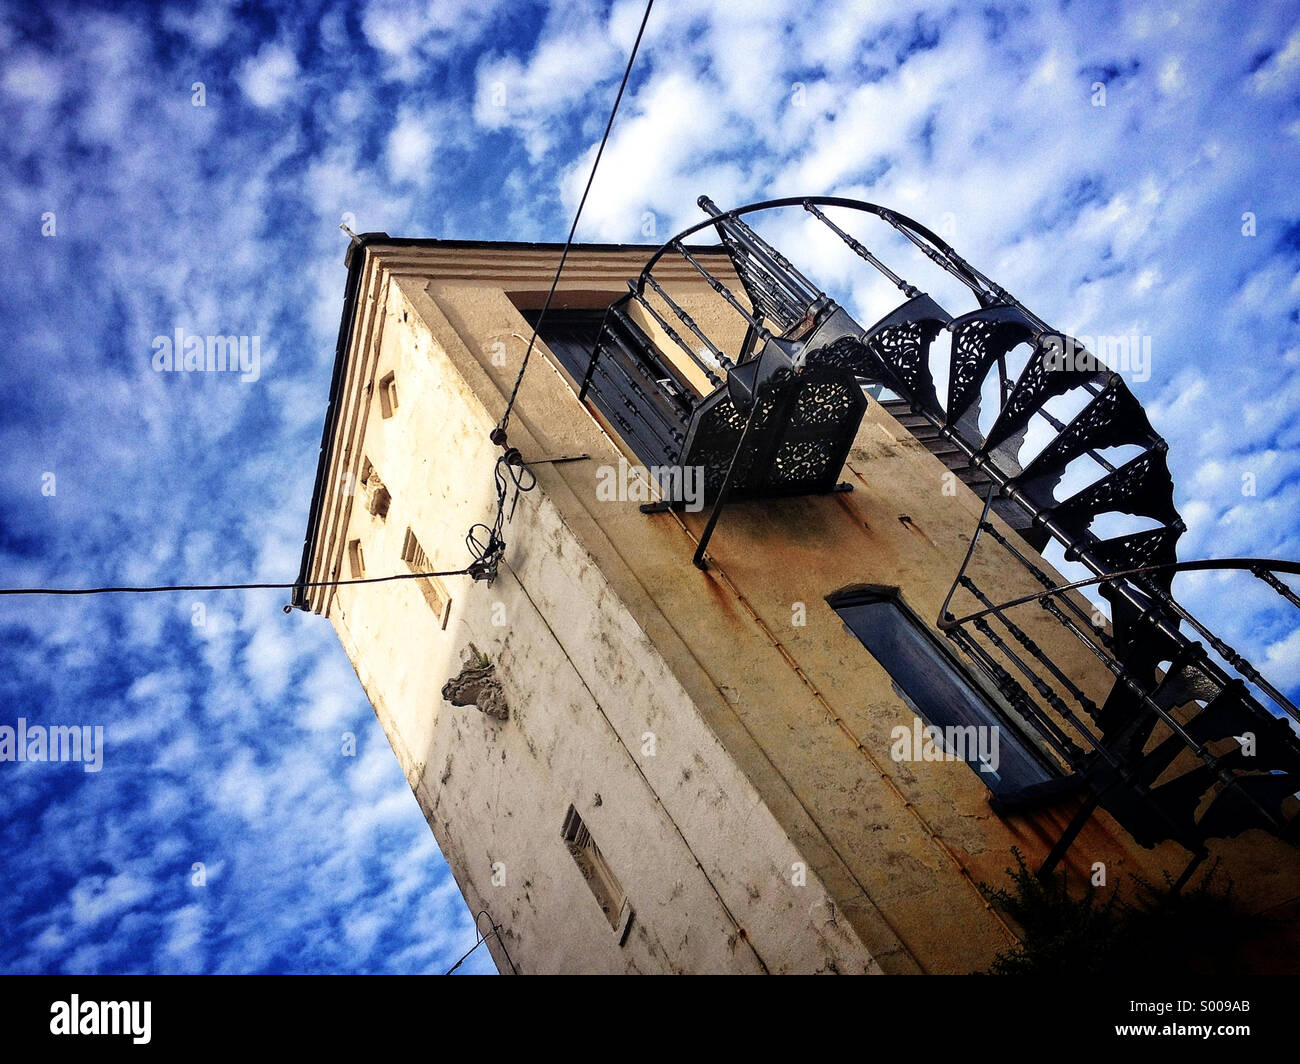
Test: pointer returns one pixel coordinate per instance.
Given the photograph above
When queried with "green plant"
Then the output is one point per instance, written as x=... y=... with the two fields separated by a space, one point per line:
x=1199 y=930
x=1062 y=934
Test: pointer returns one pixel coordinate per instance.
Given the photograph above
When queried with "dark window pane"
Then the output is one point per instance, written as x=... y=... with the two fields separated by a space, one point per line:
x=642 y=412
x=941 y=693
x=571 y=336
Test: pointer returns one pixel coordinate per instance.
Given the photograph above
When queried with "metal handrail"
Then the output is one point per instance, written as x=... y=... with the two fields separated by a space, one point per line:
x=955 y=264
x=1273 y=565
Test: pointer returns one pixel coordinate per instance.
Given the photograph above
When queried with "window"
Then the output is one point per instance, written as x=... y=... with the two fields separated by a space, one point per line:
x=356 y=561
x=619 y=391
x=596 y=871
x=570 y=335
x=388 y=395
x=373 y=491
x=940 y=692
x=435 y=594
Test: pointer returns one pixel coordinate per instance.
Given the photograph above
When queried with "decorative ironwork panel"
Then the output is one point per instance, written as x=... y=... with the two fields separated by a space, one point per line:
x=1142 y=486
x=803 y=429
x=979 y=340
x=1112 y=419
x=1041 y=380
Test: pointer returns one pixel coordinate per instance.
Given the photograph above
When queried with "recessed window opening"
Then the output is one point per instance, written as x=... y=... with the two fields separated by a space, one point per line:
x=388 y=395
x=941 y=693
x=599 y=876
x=433 y=590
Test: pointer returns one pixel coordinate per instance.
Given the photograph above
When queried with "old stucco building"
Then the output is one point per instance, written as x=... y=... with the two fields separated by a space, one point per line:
x=698 y=770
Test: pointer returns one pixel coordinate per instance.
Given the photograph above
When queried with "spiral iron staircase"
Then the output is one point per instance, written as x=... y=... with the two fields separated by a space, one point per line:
x=1183 y=746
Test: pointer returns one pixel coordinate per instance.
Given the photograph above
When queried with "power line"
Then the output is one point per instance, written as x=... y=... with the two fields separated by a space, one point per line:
x=142 y=590
x=465 y=956
x=482 y=938
x=499 y=436
x=487 y=554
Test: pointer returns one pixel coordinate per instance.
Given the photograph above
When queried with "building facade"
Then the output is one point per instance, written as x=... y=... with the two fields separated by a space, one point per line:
x=661 y=767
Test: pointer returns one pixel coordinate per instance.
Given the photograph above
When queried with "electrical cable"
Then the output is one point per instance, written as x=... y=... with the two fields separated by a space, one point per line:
x=510 y=465
x=510 y=468
x=155 y=588
x=568 y=243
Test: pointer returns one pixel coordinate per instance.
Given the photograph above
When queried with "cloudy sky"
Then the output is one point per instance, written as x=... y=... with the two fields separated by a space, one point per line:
x=1123 y=168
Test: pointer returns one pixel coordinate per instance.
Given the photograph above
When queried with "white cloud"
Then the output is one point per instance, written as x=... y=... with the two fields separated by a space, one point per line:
x=97 y=898
x=661 y=155
x=32 y=78
x=410 y=148
x=533 y=97
x=1282 y=662
x=1282 y=70
x=207 y=26
x=269 y=77
x=408 y=32
x=185 y=938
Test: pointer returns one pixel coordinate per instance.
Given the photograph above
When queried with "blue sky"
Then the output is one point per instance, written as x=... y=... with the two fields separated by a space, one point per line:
x=479 y=120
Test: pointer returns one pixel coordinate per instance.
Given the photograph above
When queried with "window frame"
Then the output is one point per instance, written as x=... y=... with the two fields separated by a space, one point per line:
x=388 y=394
x=356 y=559
x=999 y=712
x=617 y=908
x=434 y=591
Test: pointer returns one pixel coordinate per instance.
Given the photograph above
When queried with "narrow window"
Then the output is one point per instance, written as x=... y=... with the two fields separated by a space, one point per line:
x=356 y=560
x=941 y=693
x=570 y=335
x=599 y=876
x=435 y=594
x=388 y=395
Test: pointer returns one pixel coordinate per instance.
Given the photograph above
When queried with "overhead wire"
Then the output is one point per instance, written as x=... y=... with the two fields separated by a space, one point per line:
x=159 y=588
x=504 y=423
x=510 y=465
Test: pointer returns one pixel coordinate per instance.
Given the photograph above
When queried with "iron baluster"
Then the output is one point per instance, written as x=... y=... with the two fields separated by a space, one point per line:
x=723 y=291
x=673 y=335
x=859 y=249
x=1019 y=699
x=714 y=350
x=1089 y=706
x=1277 y=585
x=772 y=260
